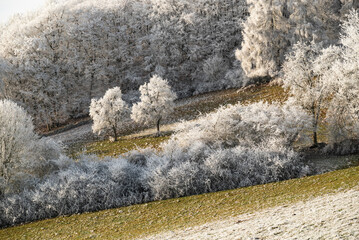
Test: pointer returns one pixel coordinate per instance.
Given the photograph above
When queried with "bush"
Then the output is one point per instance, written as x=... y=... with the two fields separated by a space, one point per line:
x=234 y=147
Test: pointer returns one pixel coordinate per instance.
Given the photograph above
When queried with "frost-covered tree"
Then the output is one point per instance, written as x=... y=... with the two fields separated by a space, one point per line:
x=16 y=137
x=264 y=38
x=157 y=102
x=274 y=26
x=109 y=113
x=307 y=88
x=342 y=76
x=22 y=152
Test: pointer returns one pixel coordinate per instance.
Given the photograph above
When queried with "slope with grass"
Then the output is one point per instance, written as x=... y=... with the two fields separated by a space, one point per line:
x=333 y=216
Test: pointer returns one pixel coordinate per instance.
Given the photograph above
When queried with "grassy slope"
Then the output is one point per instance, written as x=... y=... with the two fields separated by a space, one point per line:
x=151 y=218
x=208 y=102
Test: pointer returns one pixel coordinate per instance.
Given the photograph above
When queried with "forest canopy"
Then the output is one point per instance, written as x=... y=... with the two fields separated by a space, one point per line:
x=55 y=60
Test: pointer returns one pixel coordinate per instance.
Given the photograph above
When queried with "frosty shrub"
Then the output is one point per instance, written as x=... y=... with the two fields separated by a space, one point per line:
x=246 y=125
x=22 y=154
x=87 y=185
x=157 y=102
x=109 y=113
x=234 y=147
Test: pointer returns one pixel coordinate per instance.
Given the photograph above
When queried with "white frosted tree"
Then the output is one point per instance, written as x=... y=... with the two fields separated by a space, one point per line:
x=21 y=150
x=274 y=26
x=308 y=89
x=264 y=38
x=16 y=136
x=157 y=102
x=109 y=113
x=343 y=75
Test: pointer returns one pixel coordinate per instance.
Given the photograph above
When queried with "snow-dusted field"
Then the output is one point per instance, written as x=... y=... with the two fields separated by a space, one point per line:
x=333 y=216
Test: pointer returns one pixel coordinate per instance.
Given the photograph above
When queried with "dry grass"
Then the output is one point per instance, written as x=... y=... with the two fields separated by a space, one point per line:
x=208 y=102
x=123 y=145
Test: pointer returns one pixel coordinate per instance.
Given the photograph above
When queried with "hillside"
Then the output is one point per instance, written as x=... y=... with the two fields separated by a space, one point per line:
x=147 y=219
x=329 y=217
x=166 y=119
x=56 y=59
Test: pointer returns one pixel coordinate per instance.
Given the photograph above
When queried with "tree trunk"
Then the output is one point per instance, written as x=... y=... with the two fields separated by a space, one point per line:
x=114 y=133
x=315 y=126
x=158 y=126
x=315 y=139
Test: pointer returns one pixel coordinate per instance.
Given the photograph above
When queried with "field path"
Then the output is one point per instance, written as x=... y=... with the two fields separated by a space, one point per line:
x=333 y=216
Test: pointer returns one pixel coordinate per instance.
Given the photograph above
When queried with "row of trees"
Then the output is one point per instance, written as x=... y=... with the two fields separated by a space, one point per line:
x=55 y=60
x=274 y=26
x=110 y=112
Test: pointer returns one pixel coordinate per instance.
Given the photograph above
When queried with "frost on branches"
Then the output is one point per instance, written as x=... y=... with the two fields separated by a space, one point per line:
x=60 y=57
x=233 y=147
x=342 y=76
x=157 y=102
x=22 y=152
x=274 y=26
x=307 y=88
x=109 y=113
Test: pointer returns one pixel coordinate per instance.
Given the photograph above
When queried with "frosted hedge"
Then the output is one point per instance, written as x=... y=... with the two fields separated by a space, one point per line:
x=202 y=156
